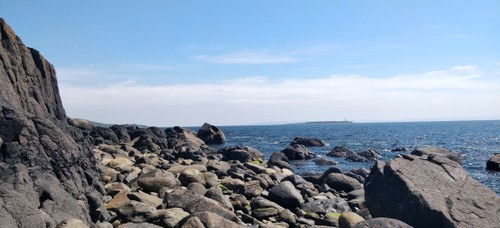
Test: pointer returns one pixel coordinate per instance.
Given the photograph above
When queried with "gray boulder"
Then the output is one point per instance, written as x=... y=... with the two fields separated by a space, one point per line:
x=286 y=195
x=341 y=182
x=493 y=163
x=211 y=134
x=280 y=160
x=298 y=152
x=339 y=151
x=184 y=140
x=430 y=192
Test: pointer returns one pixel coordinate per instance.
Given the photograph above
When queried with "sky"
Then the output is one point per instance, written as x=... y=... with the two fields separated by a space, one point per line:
x=167 y=63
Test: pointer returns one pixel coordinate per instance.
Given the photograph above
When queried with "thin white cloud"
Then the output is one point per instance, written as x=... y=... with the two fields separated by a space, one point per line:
x=247 y=57
x=441 y=94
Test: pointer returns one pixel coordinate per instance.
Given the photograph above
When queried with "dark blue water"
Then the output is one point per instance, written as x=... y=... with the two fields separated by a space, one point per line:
x=476 y=140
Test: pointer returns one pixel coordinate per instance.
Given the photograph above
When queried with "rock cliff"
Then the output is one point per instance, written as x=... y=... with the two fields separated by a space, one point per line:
x=47 y=170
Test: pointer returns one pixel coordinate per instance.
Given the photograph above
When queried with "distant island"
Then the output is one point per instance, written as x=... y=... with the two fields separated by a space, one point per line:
x=328 y=122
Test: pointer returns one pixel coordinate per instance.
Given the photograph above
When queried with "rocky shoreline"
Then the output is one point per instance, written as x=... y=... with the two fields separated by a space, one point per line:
x=173 y=179
x=62 y=172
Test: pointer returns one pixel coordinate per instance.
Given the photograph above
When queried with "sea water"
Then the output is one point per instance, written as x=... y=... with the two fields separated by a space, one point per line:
x=476 y=140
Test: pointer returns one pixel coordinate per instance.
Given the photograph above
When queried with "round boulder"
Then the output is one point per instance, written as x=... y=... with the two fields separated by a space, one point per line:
x=286 y=195
x=341 y=182
x=211 y=134
x=339 y=152
x=240 y=153
x=381 y=222
x=280 y=159
x=189 y=176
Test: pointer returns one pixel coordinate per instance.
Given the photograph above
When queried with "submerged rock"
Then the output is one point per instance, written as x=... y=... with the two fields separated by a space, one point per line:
x=309 y=142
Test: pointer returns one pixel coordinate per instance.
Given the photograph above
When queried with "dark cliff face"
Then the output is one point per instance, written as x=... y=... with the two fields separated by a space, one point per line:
x=47 y=169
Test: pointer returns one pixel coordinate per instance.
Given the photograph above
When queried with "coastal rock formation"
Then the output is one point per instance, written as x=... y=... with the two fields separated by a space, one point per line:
x=298 y=152
x=340 y=152
x=47 y=169
x=431 y=191
x=493 y=163
x=309 y=142
x=211 y=134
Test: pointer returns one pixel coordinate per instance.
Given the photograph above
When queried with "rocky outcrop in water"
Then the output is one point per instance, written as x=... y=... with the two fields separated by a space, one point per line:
x=47 y=169
x=493 y=163
x=430 y=191
x=211 y=134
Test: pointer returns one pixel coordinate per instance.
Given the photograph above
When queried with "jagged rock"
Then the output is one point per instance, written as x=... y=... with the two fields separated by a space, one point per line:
x=430 y=192
x=286 y=195
x=184 y=140
x=309 y=142
x=339 y=151
x=349 y=219
x=240 y=153
x=381 y=223
x=211 y=134
x=493 y=163
x=280 y=160
x=426 y=151
x=105 y=133
x=193 y=203
x=298 y=152
x=341 y=182
x=46 y=164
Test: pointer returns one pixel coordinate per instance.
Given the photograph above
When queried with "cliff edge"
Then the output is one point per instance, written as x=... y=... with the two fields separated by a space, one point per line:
x=47 y=170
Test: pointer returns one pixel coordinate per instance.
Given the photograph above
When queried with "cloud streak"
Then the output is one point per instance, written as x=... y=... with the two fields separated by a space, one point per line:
x=456 y=93
x=247 y=57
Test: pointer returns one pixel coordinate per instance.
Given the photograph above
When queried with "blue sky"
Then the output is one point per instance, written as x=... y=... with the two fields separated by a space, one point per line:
x=242 y=62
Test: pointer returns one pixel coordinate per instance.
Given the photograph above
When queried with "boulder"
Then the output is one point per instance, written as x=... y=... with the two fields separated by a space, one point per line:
x=339 y=151
x=189 y=176
x=136 y=212
x=155 y=180
x=381 y=223
x=171 y=217
x=430 y=191
x=211 y=134
x=184 y=140
x=493 y=163
x=193 y=203
x=72 y=223
x=309 y=142
x=426 y=151
x=46 y=164
x=280 y=160
x=286 y=195
x=325 y=162
x=349 y=219
x=341 y=182
x=240 y=153
x=138 y=225
x=325 y=206
x=212 y=220
x=298 y=152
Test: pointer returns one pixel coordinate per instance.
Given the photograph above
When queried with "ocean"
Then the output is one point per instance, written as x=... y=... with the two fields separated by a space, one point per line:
x=476 y=140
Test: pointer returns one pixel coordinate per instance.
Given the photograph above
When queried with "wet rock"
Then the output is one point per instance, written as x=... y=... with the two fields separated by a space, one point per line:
x=339 y=151
x=431 y=192
x=280 y=160
x=341 y=182
x=309 y=142
x=381 y=223
x=493 y=163
x=370 y=154
x=298 y=152
x=211 y=134
x=426 y=151
x=240 y=153
x=286 y=195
